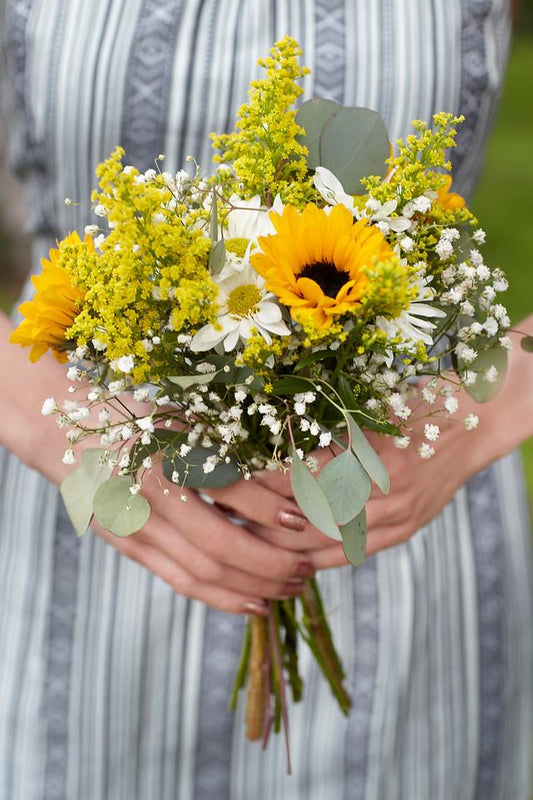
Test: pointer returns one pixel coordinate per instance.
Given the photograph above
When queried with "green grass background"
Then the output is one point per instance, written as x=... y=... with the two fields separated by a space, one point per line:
x=503 y=201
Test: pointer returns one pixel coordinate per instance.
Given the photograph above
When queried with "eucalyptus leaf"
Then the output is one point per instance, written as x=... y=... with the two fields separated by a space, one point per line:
x=117 y=509
x=291 y=385
x=217 y=258
x=526 y=343
x=354 y=539
x=213 y=226
x=312 y=500
x=346 y=485
x=79 y=487
x=354 y=145
x=186 y=381
x=312 y=116
x=483 y=390
x=161 y=440
x=192 y=474
x=368 y=457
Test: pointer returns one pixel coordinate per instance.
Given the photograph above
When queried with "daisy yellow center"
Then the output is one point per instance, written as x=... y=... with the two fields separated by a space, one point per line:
x=237 y=246
x=244 y=300
x=329 y=278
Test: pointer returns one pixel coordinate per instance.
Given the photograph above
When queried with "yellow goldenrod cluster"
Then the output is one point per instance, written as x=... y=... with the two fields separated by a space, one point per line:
x=264 y=151
x=150 y=275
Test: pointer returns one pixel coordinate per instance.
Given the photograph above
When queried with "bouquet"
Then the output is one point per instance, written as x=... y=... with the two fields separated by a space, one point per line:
x=318 y=285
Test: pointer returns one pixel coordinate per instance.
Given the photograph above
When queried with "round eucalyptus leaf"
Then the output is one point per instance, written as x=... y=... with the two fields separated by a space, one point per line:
x=483 y=390
x=117 y=509
x=191 y=472
x=79 y=487
x=312 y=500
x=346 y=485
x=368 y=457
x=526 y=343
x=354 y=145
x=312 y=116
x=354 y=539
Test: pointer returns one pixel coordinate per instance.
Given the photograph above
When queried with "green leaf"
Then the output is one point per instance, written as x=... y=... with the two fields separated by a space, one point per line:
x=312 y=500
x=368 y=457
x=312 y=116
x=354 y=145
x=217 y=258
x=213 y=226
x=292 y=385
x=117 y=509
x=192 y=474
x=319 y=355
x=354 y=539
x=161 y=440
x=526 y=343
x=482 y=391
x=186 y=381
x=346 y=485
x=78 y=488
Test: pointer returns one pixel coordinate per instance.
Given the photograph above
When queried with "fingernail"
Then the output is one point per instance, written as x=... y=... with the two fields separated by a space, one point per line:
x=291 y=520
x=304 y=570
x=257 y=608
x=292 y=589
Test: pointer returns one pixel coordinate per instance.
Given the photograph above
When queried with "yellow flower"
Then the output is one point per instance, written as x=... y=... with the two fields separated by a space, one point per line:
x=53 y=309
x=449 y=201
x=316 y=262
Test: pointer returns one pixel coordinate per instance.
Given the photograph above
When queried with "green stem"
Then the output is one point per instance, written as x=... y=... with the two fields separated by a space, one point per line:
x=242 y=669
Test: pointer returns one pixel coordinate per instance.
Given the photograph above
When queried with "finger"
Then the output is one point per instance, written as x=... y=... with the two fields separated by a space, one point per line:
x=253 y=501
x=184 y=583
x=309 y=539
x=201 y=566
x=208 y=529
x=328 y=557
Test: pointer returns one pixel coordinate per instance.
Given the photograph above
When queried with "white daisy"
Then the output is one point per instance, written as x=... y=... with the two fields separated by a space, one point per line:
x=249 y=219
x=332 y=189
x=413 y=325
x=245 y=307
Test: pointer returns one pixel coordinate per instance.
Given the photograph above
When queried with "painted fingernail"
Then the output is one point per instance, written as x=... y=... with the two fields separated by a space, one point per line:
x=291 y=521
x=304 y=570
x=257 y=608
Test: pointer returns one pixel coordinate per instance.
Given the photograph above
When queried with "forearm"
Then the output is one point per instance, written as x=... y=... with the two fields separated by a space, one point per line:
x=507 y=421
x=35 y=439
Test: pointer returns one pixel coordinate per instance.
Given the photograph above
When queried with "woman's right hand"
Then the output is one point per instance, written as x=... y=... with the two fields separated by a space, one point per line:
x=193 y=546
x=202 y=554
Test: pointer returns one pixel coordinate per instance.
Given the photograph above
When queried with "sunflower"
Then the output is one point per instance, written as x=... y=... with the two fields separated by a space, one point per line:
x=52 y=310
x=315 y=262
x=449 y=201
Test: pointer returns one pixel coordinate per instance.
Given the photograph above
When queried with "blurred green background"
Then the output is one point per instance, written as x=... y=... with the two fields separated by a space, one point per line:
x=503 y=201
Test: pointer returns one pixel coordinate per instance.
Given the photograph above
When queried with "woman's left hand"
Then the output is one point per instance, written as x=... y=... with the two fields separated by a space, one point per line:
x=420 y=489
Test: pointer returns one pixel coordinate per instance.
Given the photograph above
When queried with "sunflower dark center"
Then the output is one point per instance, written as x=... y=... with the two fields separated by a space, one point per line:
x=328 y=277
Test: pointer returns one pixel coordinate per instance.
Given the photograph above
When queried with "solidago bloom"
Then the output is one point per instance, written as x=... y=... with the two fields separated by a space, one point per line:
x=53 y=309
x=317 y=262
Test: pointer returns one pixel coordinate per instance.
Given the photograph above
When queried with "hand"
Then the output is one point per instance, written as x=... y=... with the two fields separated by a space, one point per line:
x=420 y=489
x=203 y=555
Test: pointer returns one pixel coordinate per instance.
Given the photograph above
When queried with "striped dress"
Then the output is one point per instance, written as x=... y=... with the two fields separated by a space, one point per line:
x=112 y=687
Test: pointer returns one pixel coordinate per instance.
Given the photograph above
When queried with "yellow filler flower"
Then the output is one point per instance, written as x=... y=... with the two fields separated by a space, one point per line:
x=315 y=262
x=53 y=309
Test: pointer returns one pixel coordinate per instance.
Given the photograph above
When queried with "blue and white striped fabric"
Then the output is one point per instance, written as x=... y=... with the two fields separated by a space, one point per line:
x=111 y=686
